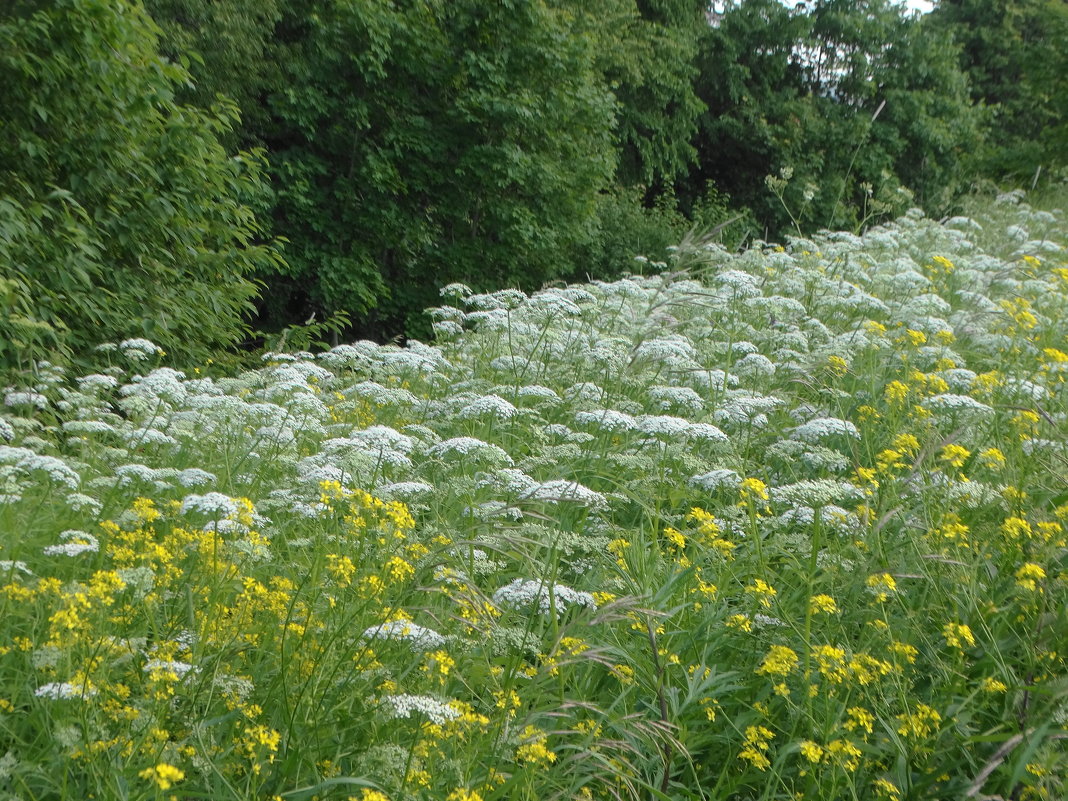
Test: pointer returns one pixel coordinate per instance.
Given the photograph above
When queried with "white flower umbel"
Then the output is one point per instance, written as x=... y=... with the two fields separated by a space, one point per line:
x=96 y=382
x=683 y=399
x=488 y=406
x=26 y=398
x=195 y=477
x=607 y=420
x=823 y=427
x=714 y=480
x=418 y=637
x=407 y=491
x=816 y=492
x=560 y=490
x=139 y=349
x=180 y=669
x=59 y=690
x=213 y=504
x=26 y=461
x=525 y=593
x=948 y=403
x=73 y=543
x=404 y=706
x=470 y=446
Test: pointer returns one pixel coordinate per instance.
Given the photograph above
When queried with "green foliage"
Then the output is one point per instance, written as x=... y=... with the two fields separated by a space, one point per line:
x=648 y=56
x=120 y=213
x=628 y=228
x=225 y=45
x=1016 y=57
x=415 y=145
x=856 y=101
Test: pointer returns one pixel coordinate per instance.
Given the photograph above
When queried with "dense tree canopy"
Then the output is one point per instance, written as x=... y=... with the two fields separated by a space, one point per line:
x=1015 y=56
x=854 y=101
x=120 y=212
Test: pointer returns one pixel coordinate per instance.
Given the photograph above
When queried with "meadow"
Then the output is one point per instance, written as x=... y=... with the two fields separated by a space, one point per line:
x=783 y=524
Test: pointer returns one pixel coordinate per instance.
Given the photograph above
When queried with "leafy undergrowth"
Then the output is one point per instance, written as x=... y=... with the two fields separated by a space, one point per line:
x=785 y=524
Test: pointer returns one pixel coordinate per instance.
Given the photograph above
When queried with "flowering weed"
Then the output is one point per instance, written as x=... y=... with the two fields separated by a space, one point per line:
x=789 y=526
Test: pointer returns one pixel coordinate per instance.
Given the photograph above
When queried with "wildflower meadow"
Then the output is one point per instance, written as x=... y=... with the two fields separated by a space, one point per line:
x=784 y=524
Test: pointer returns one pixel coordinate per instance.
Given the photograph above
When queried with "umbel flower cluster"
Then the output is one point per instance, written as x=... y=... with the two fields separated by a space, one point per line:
x=788 y=523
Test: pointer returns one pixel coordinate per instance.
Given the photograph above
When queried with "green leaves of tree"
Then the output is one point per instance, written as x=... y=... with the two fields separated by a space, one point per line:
x=121 y=214
x=800 y=90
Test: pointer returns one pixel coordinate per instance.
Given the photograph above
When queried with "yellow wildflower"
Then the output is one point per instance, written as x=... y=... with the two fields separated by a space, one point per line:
x=882 y=584
x=533 y=749
x=675 y=537
x=755 y=747
x=779 y=661
x=837 y=365
x=1029 y=575
x=919 y=724
x=822 y=604
x=955 y=455
x=906 y=443
x=831 y=662
x=895 y=393
x=165 y=776
x=811 y=751
x=844 y=752
x=887 y=789
x=859 y=718
x=740 y=622
x=1016 y=528
x=992 y=685
x=762 y=590
x=753 y=488
x=958 y=635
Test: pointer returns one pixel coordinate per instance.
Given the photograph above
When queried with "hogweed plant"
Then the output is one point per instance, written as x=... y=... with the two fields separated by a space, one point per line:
x=790 y=525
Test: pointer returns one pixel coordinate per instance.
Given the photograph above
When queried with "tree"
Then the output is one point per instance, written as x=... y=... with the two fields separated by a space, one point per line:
x=1015 y=55
x=226 y=46
x=414 y=144
x=120 y=213
x=843 y=97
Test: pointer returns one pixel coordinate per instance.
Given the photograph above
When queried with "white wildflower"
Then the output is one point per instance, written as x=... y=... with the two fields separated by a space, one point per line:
x=417 y=637
x=607 y=420
x=488 y=406
x=959 y=404
x=560 y=490
x=195 y=477
x=213 y=504
x=180 y=669
x=523 y=593
x=823 y=427
x=407 y=491
x=25 y=398
x=718 y=479
x=73 y=543
x=58 y=690
x=96 y=382
x=404 y=706
x=470 y=446
x=684 y=399
x=139 y=349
